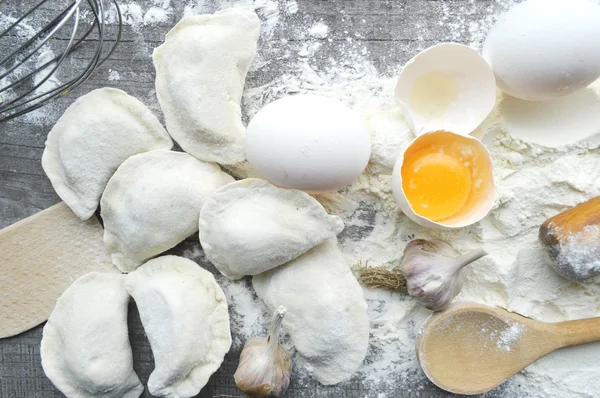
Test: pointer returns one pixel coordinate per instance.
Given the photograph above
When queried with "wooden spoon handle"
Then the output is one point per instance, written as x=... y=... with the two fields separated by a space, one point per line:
x=578 y=332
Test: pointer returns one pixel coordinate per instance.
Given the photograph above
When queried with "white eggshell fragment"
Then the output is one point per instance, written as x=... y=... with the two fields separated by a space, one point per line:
x=446 y=87
x=308 y=142
x=544 y=49
x=481 y=198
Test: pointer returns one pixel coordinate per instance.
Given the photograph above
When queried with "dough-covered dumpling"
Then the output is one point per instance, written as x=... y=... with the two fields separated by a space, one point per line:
x=184 y=313
x=92 y=138
x=250 y=226
x=327 y=313
x=200 y=72
x=152 y=203
x=85 y=347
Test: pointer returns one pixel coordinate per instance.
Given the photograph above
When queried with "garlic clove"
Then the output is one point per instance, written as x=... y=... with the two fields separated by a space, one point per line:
x=265 y=366
x=433 y=276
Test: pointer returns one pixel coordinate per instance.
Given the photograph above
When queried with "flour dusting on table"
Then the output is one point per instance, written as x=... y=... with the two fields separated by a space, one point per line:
x=534 y=182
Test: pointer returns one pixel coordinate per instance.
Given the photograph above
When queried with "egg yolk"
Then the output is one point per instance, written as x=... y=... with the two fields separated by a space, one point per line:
x=436 y=184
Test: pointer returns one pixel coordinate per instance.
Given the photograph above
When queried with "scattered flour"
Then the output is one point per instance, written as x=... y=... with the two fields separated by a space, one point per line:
x=113 y=75
x=291 y=7
x=319 y=30
x=580 y=255
x=510 y=337
x=142 y=13
x=534 y=181
x=24 y=31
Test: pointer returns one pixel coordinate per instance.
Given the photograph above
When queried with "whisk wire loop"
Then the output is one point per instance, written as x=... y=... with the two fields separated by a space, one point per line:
x=29 y=98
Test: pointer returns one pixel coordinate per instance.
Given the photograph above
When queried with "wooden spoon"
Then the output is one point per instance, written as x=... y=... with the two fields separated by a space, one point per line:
x=471 y=348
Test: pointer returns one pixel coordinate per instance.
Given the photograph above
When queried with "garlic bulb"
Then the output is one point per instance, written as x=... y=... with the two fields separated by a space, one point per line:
x=265 y=366
x=433 y=277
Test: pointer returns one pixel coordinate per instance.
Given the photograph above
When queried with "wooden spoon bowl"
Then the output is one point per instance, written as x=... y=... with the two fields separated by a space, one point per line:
x=471 y=348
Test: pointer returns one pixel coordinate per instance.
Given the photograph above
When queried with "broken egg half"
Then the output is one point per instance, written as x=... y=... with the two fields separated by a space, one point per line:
x=444 y=180
x=446 y=87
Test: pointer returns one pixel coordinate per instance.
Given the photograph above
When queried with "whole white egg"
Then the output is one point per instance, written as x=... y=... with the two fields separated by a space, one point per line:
x=544 y=49
x=308 y=142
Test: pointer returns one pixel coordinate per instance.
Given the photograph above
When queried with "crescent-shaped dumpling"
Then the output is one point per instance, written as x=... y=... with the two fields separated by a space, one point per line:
x=91 y=139
x=152 y=203
x=250 y=226
x=200 y=73
x=85 y=347
x=326 y=317
x=184 y=313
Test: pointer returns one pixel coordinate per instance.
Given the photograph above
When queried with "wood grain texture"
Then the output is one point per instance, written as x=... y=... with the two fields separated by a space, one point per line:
x=392 y=31
x=572 y=231
x=471 y=348
x=40 y=257
x=556 y=230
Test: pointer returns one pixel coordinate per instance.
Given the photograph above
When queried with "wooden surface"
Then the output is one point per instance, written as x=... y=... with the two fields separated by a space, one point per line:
x=44 y=254
x=392 y=31
x=556 y=230
x=569 y=231
x=463 y=349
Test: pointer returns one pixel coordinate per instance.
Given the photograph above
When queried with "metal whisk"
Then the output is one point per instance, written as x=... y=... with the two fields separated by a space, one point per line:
x=24 y=82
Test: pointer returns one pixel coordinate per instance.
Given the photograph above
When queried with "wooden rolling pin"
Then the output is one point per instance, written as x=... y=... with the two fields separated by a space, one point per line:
x=471 y=348
x=572 y=241
x=39 y=258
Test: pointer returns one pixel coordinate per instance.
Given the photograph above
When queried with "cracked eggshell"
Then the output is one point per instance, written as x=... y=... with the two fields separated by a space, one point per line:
x=446 y=87
x=481 y=199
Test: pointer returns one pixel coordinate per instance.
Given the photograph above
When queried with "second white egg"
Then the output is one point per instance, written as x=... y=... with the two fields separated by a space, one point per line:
x=308 y=142
x=545 y=49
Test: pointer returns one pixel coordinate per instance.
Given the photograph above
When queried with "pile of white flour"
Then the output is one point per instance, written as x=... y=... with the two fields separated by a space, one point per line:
x=546 y=159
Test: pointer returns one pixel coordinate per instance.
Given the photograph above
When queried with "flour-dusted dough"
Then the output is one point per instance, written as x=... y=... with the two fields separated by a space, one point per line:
x=327 y=313
x=250 y=226
x=200 y=72
x=184 y=313
x=92 y=138
x=152 y=203
x=85 y=347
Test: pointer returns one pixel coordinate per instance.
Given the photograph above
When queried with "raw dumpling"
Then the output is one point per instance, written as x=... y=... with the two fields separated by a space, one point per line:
x=200 y=72
x=184 y=313
x=250 y=226
x=85 y=347
x=92 y=138
x=327 y=314
x=152 y=203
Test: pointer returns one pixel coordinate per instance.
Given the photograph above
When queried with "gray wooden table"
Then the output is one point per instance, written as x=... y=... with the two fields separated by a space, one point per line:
x=392 y=31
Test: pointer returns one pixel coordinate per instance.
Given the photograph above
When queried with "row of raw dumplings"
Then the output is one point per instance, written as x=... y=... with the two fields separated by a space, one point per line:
x=85 y=347
x=200 y=74
x=250 y=227
x=108 y=148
